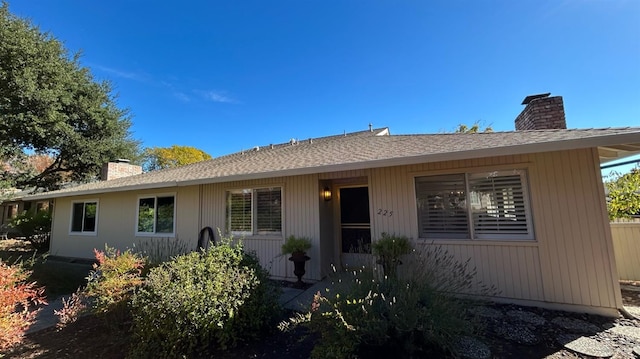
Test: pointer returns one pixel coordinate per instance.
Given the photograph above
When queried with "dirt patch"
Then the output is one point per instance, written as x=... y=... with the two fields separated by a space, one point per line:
x=89 y=337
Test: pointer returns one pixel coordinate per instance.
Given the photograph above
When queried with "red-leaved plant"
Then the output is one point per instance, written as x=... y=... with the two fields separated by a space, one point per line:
x=111 y=284
x=18 y=302
x=72 y=308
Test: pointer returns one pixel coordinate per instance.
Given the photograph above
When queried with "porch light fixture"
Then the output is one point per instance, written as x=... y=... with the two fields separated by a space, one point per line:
x=326 y=194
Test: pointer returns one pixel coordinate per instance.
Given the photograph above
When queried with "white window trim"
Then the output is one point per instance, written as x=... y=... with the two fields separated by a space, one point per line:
x=84 y=233
x=155 y=197
x=251 y=234
x=467 y=172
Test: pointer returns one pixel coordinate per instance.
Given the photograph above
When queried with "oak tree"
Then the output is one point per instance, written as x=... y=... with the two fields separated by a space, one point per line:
x=51 y=105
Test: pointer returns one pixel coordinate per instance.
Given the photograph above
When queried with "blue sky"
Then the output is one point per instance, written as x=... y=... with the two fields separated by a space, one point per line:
x=226 y=76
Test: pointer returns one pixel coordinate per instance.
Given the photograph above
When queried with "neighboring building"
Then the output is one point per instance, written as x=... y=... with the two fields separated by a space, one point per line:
x=12 y=204
x=526 y=206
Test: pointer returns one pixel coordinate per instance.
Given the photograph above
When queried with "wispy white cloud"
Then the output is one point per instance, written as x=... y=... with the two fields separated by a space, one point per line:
x=177 y=93
x=120 y=73
x=176 y=90
x=217 y=96
x=181 y=96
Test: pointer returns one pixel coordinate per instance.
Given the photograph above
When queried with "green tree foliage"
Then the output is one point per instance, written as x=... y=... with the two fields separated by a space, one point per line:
x=33 y=222
x=623 y=194
x=475 y=128
x=158 y=158
x=51 y=105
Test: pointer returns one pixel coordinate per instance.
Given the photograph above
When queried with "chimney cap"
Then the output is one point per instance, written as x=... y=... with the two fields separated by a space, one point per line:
x=534 y=97
x=122 y=160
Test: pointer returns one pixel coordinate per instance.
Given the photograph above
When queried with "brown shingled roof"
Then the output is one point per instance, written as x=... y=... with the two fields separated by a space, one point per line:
x=356 y=151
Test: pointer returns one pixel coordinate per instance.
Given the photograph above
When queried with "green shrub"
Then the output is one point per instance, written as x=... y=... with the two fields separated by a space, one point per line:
x=389 y=249
x=408 y=315
x=36 y=227
x=32 y=222
x=217 y=297
x=295 y=244
x=112 y=283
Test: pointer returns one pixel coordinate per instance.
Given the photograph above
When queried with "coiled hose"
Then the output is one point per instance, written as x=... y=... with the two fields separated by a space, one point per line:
x=204 y=242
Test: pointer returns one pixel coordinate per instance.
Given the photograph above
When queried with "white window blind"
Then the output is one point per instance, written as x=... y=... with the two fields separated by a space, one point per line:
x=442 y=211
x=502 y=207
x=239 y=212
x=489 y=205
x=254 y=211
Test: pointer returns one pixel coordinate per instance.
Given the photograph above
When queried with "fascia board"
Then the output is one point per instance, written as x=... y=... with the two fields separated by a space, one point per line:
x=559 y=145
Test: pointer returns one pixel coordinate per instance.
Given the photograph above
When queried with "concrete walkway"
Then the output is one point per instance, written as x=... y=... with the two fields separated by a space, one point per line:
x=291 y=298
x=300 y=300
x=46 y=318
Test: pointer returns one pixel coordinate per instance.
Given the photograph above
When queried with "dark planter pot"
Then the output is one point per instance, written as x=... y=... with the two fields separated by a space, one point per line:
x=389 y=266
x=299 y=260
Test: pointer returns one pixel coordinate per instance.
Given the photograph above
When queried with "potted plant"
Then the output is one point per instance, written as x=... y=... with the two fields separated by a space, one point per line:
x=297 y=247
x=389 y=249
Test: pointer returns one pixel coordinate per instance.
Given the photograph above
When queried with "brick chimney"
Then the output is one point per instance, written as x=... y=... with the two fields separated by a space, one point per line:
x=118 y=169
x=541 y=113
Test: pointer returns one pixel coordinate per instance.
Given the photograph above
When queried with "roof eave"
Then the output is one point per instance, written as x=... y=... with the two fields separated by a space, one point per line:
x=560 y=145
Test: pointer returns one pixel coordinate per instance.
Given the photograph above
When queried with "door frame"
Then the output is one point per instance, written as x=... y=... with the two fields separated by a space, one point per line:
x=355 y=183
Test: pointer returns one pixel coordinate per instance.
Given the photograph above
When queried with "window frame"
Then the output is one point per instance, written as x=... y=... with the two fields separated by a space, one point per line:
x=253 y=233
x=12 y=211
x=468 y=175
x=71 y=218
x=155 y=197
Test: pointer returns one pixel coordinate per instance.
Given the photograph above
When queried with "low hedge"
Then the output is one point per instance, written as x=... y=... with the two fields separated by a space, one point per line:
x=213 y=298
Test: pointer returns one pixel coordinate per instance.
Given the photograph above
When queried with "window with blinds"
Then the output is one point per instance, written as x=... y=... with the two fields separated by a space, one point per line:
x=239 y=212
x=254 y=211
x=268 y=210
x=442 y=211
x=489 y=205
x=502 y=208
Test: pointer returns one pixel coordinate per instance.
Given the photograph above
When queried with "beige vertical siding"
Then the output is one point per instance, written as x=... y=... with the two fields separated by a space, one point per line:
x=573 y=230
x=571 y=260
x=300 y=198
x=514 y=270
x=513 y=267
x=626 y=243
x=117 y=221
x=343 y=175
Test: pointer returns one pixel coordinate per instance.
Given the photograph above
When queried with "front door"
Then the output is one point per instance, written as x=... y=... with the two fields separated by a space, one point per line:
x=355 y=226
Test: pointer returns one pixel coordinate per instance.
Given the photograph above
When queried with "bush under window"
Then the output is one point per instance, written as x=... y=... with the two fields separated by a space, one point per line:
x=214 y=298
